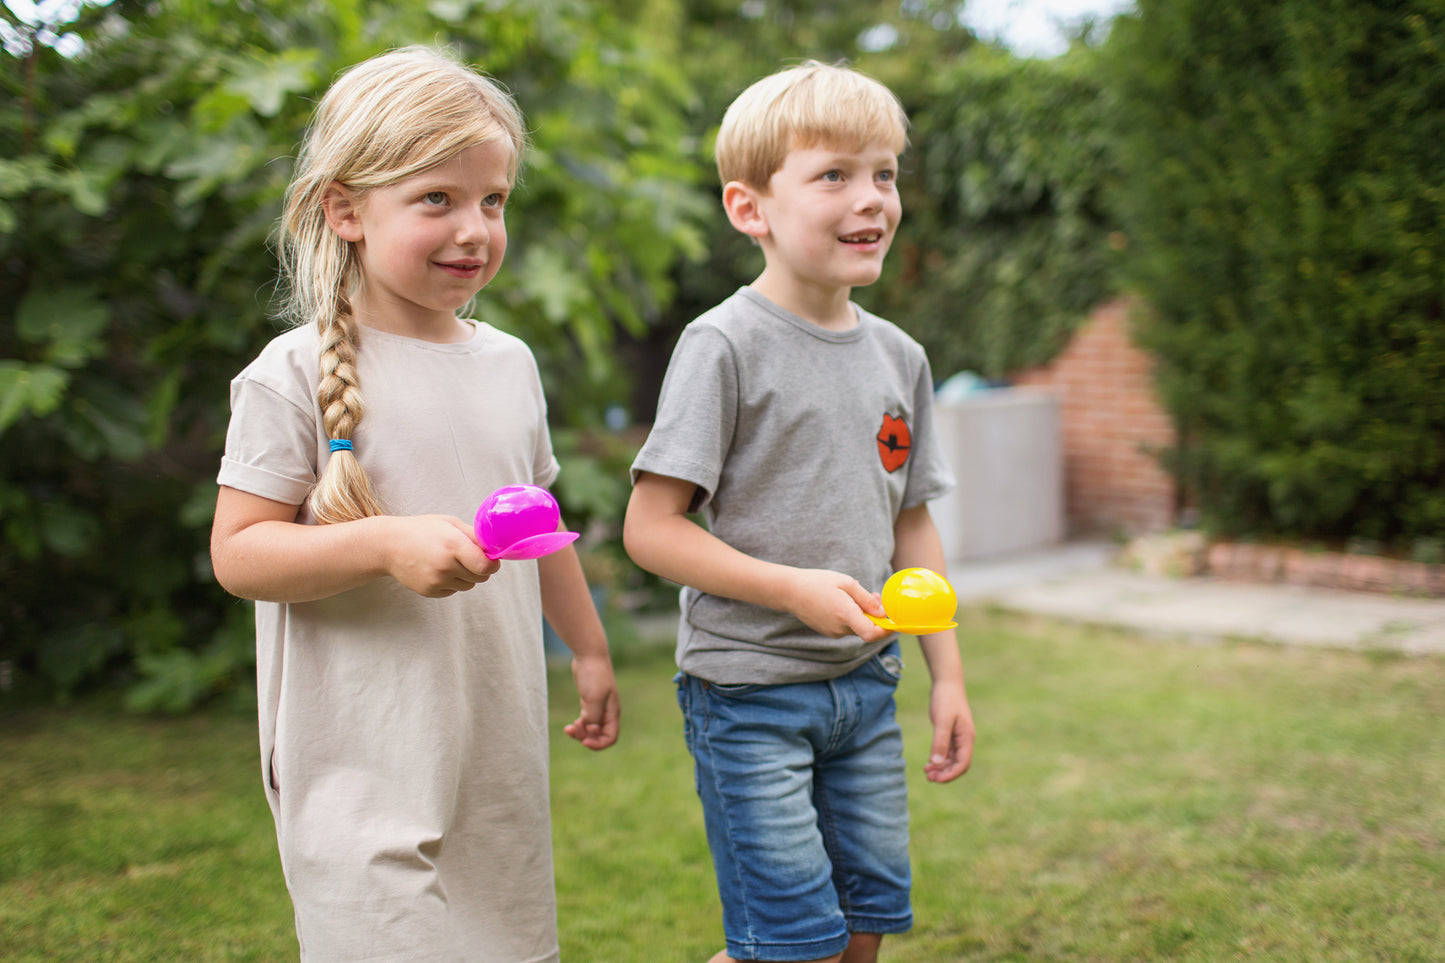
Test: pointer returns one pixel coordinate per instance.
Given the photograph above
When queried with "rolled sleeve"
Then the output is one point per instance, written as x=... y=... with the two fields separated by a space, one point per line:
x=271 y=445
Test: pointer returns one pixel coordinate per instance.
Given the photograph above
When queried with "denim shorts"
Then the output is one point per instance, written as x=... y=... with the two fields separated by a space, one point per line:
x=806 y=808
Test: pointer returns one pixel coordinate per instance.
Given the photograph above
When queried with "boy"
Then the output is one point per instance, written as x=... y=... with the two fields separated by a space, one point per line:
x=801 y=427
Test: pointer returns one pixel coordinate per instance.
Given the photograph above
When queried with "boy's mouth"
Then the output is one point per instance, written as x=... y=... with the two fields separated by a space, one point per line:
x=862 y=237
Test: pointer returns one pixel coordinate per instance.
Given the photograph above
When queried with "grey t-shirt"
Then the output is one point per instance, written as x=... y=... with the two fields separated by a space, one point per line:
x=805 y=444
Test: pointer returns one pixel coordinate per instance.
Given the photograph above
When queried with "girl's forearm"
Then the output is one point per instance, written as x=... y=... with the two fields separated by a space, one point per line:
x=567 y=603
x=276 y=561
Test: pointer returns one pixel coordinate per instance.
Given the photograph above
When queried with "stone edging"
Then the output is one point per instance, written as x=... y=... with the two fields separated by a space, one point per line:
x=1182 y=554
x=1340 y=570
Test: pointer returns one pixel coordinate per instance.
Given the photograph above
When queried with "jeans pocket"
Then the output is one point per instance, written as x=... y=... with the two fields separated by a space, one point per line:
x=684 y=703
x=735 y=691
x=889 y=665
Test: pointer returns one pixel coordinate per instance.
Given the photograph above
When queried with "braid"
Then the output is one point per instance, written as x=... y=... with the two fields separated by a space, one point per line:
x=343 y=493
x=339 y=392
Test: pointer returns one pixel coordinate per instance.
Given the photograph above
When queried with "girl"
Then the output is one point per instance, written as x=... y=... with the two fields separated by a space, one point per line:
x=402 y=707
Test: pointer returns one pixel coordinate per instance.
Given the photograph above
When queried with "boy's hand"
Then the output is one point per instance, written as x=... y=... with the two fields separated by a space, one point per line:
x=596 y=727
x=834 y=604
x=953 y=733
x=435 y=555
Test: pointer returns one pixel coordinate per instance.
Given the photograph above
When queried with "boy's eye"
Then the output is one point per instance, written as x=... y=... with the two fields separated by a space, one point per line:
x=833 y=176
x=888 y=176
x=494 y=200
x=435 y=197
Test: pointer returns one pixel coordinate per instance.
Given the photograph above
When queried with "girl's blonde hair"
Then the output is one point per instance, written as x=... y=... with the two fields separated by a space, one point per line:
x=808 y=105
x=384 y=120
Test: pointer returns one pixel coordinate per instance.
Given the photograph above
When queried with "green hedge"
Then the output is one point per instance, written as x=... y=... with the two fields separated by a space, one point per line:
x=1283 y=195
x=1004 y=245
x=138 y=184
x=1274 y=174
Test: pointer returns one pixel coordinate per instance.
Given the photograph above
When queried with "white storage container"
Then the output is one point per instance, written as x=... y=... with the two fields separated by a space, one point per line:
x=1006 y=449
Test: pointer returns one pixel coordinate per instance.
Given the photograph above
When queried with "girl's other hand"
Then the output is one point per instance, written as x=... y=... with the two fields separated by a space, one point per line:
x=435 y=555
x=596 y=726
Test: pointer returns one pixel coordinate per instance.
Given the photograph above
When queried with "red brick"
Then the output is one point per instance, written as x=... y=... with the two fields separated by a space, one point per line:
x=1110 y=416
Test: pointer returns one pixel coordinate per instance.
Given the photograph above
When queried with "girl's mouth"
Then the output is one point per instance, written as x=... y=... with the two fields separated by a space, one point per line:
x=461 y=269
x=862 y=237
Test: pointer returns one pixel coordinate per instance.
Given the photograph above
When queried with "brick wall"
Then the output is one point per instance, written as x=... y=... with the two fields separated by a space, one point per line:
x=1111 y=422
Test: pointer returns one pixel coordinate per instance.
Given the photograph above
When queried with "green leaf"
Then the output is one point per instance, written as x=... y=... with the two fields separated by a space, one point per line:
x=19 y=177
x=107 y=422
x=66 y=530
x=36 y=389
x=267 y=82
x=77 y=651
x=70 y=320
x=217 y=159
x=87 y=192
x=554 y=283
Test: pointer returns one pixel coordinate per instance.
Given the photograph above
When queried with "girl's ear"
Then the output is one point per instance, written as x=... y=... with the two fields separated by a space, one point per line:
x=743 y=210
x=343 y=213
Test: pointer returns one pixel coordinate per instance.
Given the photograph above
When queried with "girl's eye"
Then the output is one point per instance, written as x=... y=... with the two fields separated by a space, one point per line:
x=494 y=200
x=833 y=176
x=436 y=198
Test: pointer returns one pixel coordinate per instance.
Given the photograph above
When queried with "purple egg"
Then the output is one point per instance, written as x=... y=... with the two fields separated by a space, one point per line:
x=514 y=513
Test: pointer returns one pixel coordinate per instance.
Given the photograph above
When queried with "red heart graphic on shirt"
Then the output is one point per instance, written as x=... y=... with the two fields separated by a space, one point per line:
x=893 y=442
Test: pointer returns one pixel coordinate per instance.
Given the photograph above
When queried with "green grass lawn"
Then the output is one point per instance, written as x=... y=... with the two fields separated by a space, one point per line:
x=1131 y=799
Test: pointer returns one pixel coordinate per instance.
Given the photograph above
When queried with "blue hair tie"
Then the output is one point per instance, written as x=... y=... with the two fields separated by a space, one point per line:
x=341 y=444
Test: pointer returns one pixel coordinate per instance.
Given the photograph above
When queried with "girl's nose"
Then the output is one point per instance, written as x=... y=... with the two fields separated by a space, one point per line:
x=473 y=230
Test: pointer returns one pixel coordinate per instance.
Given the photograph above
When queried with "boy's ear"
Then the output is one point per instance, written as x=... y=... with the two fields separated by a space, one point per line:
x=343 y=213
x=743 y=210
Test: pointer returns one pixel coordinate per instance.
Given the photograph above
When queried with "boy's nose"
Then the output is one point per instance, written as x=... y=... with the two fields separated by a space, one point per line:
x=870 y=198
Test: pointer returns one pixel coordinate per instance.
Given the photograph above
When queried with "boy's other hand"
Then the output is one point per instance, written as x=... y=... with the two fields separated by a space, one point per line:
x=953 y=733
x=834 y=604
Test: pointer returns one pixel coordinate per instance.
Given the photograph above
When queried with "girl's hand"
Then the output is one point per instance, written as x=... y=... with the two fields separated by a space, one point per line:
x=596 y=727
x=833 y=604
x=435 y=555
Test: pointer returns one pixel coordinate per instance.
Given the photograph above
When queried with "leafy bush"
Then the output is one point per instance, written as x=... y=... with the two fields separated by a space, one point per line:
x=1285 y=209
x=1004 y=245
x=138 y=185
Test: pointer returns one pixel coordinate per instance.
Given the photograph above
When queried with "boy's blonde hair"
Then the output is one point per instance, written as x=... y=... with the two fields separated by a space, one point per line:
x=811 y=104
x=382 y=121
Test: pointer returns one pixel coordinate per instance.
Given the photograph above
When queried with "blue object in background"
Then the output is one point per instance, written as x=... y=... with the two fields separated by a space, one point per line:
x=552 y=643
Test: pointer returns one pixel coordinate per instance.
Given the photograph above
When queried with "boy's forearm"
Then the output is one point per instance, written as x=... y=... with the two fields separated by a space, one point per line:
x=945 y=664
x=916 y=543
x=681 y=551
x=662 y=539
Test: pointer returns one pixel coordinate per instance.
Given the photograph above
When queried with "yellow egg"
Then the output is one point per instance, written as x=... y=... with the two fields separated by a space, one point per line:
x=919 y=597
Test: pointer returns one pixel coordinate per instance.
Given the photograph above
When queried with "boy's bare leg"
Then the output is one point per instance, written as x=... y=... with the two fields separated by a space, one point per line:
x=862 y=948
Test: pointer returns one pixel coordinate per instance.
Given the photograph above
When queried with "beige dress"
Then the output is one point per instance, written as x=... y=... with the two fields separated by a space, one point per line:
x=403 y=739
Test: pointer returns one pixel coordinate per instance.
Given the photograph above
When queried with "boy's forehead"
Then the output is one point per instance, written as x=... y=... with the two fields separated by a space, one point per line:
x=840 y=145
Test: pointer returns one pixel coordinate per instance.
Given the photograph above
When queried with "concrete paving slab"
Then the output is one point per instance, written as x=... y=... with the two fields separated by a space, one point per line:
x=1078 y=582
x=982 y=578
